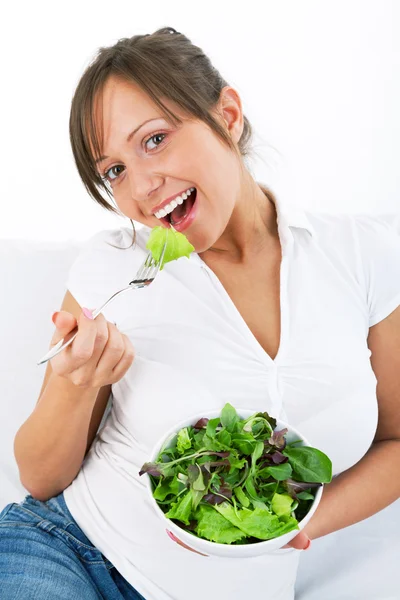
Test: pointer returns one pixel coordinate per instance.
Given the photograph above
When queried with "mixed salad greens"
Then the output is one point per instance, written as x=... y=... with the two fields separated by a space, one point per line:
x=236 y=481
x=177 y=244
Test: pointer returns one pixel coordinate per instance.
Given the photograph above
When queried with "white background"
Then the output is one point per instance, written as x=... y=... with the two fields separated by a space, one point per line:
x=319 y=81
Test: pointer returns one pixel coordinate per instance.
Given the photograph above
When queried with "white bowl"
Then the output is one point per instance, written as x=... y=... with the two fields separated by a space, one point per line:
x=228 y=550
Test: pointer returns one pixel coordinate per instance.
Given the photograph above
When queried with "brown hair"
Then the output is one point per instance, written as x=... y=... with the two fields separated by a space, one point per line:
x=162 y=65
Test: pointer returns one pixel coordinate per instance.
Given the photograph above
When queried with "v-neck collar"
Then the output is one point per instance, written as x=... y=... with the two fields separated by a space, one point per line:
x=286 y=219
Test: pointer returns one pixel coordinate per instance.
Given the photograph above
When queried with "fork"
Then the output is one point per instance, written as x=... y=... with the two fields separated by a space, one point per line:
x=144 y=277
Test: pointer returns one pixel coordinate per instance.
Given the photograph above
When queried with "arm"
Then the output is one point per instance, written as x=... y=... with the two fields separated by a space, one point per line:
x=50 y=445
x=374 y=482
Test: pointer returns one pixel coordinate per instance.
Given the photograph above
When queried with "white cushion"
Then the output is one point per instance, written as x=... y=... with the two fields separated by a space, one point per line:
x=32 y=276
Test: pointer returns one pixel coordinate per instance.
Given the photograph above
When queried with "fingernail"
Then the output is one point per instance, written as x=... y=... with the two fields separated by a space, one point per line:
x=171 y=535
x=308 y=545
x=88 y=313
x=54 y=316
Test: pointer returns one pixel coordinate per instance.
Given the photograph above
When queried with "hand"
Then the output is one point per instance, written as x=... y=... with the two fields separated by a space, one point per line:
x=99 y=355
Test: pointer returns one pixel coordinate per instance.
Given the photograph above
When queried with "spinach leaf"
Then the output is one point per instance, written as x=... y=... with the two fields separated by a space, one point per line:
x=229 y=417
x=278 y=472
x=309 y=464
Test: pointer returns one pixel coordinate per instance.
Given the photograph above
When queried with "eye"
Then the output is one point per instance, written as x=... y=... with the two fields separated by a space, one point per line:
x=107 y=176
x=112 y=174
x=155 y=136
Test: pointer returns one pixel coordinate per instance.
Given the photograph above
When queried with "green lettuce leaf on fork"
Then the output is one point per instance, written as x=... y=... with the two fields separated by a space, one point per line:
x=177 y=244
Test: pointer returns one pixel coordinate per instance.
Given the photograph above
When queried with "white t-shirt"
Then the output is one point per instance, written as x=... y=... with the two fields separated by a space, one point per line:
x=194 y=352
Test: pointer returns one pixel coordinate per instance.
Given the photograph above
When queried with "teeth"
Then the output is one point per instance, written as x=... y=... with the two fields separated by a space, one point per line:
x=173 y=204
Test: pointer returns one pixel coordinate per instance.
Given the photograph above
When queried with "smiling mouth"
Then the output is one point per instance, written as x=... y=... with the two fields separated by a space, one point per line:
x=181 y=211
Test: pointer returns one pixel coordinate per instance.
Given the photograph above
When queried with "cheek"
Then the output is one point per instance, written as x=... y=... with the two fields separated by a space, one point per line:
x=126 y=205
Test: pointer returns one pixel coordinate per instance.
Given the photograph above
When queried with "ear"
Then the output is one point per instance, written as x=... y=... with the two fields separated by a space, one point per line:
x=230 y=109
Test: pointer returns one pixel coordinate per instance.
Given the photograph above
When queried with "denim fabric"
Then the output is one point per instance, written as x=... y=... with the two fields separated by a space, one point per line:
x=45 y=555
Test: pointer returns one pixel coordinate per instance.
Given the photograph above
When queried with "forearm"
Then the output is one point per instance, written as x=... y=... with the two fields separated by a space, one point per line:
x=50 y=445
x=360 y=492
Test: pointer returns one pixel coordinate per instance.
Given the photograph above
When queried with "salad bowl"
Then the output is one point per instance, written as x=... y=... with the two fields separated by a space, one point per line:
x=229 y=550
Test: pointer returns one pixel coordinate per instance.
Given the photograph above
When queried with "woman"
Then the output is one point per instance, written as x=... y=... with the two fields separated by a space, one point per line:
x=275 y=310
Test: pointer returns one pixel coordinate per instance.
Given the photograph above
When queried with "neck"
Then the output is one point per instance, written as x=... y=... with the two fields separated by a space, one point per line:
x=252 y=227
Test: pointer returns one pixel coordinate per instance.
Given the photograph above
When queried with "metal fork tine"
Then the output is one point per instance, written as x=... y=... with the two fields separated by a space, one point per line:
x=143 y=271
x=150 y=266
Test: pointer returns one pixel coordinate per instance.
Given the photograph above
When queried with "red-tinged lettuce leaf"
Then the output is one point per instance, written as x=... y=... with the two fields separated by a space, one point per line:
x=216 y=496
x=294 y=487
x=156 y=469
x=201 y=423
x=213 y=499
x=277 y=439
x=275 y=458
x=279 y=458
x=258 y=523
x=181 y=509
x=214 y=527
x=222 y=454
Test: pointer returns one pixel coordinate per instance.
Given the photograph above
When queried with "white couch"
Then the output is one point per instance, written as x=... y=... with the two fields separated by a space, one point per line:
x=357 y=563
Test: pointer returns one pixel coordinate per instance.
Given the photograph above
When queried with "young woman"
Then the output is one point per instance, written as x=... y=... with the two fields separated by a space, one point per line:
x=277 y=309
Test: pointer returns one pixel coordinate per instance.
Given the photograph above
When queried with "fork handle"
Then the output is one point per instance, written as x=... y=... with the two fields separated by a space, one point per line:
x=63 y=343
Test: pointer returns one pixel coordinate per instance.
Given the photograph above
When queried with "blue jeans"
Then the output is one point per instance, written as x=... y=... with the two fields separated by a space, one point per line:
x=44 y=554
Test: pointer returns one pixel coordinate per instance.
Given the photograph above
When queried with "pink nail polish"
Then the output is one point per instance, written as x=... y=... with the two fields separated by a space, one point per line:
x=171 y=535
x=88 y=313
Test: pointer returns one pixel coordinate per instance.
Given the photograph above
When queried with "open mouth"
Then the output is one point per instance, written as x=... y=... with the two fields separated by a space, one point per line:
x=183 y=214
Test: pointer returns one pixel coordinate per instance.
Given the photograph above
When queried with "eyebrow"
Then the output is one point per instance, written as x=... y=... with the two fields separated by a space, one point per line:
x=130 y=136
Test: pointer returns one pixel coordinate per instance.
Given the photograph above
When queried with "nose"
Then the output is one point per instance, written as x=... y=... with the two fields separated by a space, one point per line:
x=143 y=184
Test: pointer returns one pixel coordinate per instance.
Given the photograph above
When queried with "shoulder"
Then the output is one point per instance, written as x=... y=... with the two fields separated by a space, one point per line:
x=360 y=235
x=365 y=248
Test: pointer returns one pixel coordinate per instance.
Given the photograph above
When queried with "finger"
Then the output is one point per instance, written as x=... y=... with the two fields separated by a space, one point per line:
x=64 y=323
x=91 y=338
x=300 y=542
x=112 y=353
x=175 y=539
x=126 y=360
x=88 y=347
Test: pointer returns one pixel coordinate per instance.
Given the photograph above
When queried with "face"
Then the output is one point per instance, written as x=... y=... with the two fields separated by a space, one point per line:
x=161 y=160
